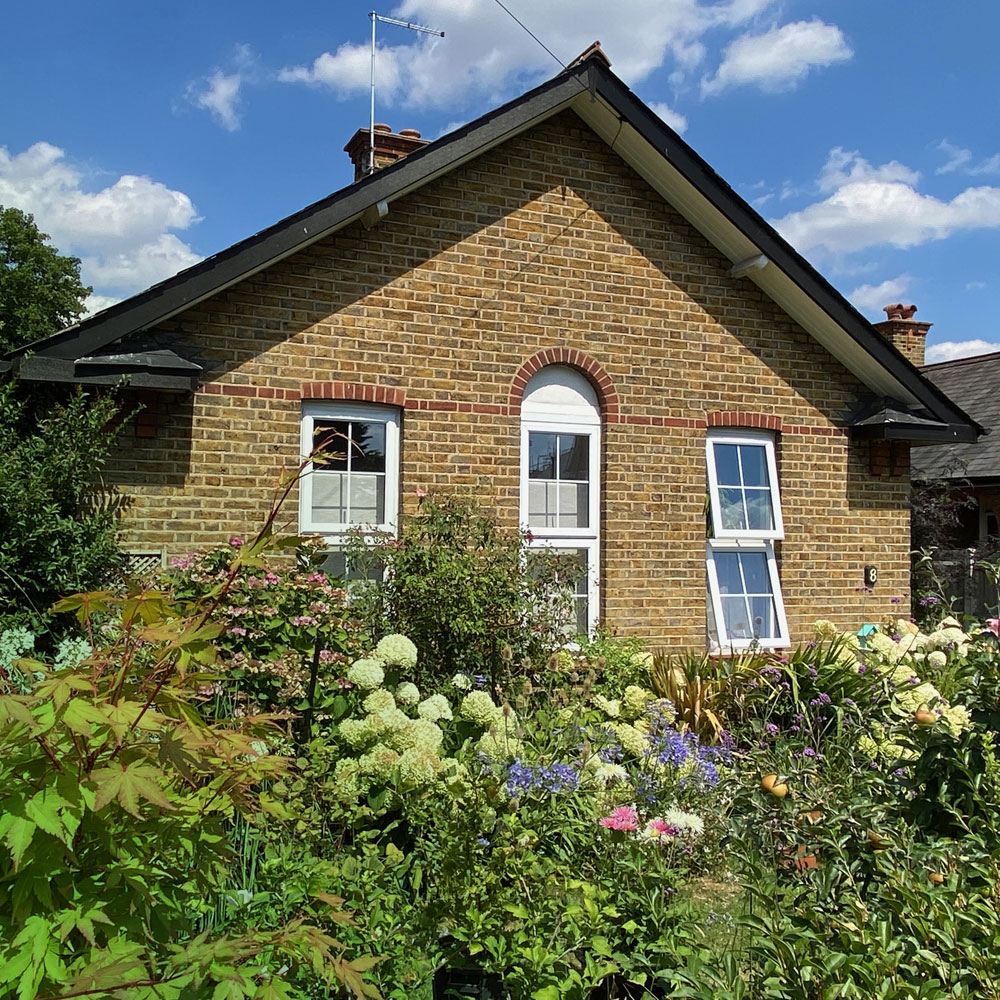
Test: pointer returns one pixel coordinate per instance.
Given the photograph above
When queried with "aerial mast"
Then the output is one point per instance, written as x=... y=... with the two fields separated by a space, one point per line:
x=402 y=24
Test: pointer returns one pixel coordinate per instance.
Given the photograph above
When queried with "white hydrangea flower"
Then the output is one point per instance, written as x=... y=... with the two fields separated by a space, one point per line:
x=462 y=681
x=418 y=733
x=418 y=767
x=937 y=658
x=349 y=781
x=597 y=773
x=633 y=742
x=498 y=745
x=612 y=709
x=919 y=697
x=388 y=721
x=479 y=707
x=397 y=651
x=634 y=701
x=379 y=701
x=356 y=733
x=957 y=719
x=407 y=693
x=379 y=763
x=825 y=629
x=366 y=673
x=434 y=708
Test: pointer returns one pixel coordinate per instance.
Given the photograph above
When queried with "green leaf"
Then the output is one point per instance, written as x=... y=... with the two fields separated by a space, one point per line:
x=128 y=784
x=18 y=837
x=81 y=716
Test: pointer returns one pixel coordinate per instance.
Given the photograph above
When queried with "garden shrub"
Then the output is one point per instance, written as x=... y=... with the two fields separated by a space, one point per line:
x=57 y=521
x=465 y=590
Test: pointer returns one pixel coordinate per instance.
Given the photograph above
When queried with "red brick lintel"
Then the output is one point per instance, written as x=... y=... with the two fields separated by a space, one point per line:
x=397 y=397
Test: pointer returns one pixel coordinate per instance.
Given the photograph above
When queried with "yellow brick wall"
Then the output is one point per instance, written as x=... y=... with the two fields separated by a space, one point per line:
x=548 y=242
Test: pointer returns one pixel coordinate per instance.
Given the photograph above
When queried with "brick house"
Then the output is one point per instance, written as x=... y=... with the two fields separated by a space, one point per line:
x=563 y=310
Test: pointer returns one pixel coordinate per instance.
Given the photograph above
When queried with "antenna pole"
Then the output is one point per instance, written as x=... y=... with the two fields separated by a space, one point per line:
x=402 y=24
x=371 y=127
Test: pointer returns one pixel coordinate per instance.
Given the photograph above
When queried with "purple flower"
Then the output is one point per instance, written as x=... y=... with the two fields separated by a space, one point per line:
x=896 y=600
x=771 y=729
x=236 y=542
x=929 y=601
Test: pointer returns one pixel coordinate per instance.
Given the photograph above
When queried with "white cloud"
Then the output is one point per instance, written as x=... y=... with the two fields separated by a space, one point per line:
x=220 y=97
x=951 y=350
x=674 y=119
x=780 y=58
x=120 y=232
x=871 y=298
x=880 y=206
x=484 y=52
x=95 y=303
x=974 y=286
x=843 y=167
x=220 y=92
x=960 y=160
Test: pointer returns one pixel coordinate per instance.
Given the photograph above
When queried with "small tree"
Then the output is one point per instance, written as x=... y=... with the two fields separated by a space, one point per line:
x=57 y=528
x=40 y=289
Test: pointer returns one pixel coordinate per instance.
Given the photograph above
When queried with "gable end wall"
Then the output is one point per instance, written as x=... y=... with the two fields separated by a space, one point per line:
x=548 y=243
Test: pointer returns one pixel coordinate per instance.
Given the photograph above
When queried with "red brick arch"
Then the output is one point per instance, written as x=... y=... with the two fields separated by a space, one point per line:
x=354 y=391
x=607 y=394
x=743 y=418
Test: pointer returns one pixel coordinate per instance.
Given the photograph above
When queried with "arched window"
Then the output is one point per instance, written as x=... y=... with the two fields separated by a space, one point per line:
x=560 y=475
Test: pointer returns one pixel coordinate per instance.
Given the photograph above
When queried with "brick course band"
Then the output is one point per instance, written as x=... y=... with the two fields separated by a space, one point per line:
x=596 y=375
x=397 y=397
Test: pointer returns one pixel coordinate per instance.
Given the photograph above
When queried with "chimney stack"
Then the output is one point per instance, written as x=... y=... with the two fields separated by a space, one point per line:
x=389 y=147
x=905 y=333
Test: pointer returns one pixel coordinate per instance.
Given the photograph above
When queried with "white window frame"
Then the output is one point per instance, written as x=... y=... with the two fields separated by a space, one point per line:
x=744 y=540
x=587 y=539
x=755 y=439
x=333 y=532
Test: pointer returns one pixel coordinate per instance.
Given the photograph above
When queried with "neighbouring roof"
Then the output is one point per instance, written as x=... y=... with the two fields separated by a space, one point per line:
x=974 y=385
x=647 y=144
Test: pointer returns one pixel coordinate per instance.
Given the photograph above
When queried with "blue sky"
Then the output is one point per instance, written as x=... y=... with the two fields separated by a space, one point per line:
x=146 y=136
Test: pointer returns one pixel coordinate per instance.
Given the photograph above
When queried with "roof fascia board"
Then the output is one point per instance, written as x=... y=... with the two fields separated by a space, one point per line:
x=738 y=231
x=244 y=259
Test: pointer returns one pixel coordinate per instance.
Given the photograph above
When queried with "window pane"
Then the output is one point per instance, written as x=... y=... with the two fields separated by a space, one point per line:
x=541 y=456
x=367 y=446
x=580 y=587
x=331 y=437
x=574 y=456
x=542 y=512
x=754 y=461
x=755 y=572
x=759 y=510
x=734 y=611
x=727 y=568
x=731 y=504
x=328 y=506
x=573 y=497
x=727 y=464
x=335 y=564
x=367 y=499
x=764 y=617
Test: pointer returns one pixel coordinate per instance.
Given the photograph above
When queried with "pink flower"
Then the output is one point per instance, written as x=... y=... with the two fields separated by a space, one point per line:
x=316 y=578
x=272 y=577
x=304 y=620
x=421 y=492
x=182 y=562
x=325 y=656
x=622 y=818
x=269 y=612
x=236 y=542
x=659 y=829
x=529 y=537
x=237 y=630
x=993 y=624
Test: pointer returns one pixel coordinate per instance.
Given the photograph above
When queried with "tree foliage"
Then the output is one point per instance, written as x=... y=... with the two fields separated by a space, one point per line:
x=57 y=528
x=116 y=802
x=40 y=288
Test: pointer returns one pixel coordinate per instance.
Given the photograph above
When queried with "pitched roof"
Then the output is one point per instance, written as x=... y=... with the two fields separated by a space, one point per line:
x=647 y=144
x=974 y=385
